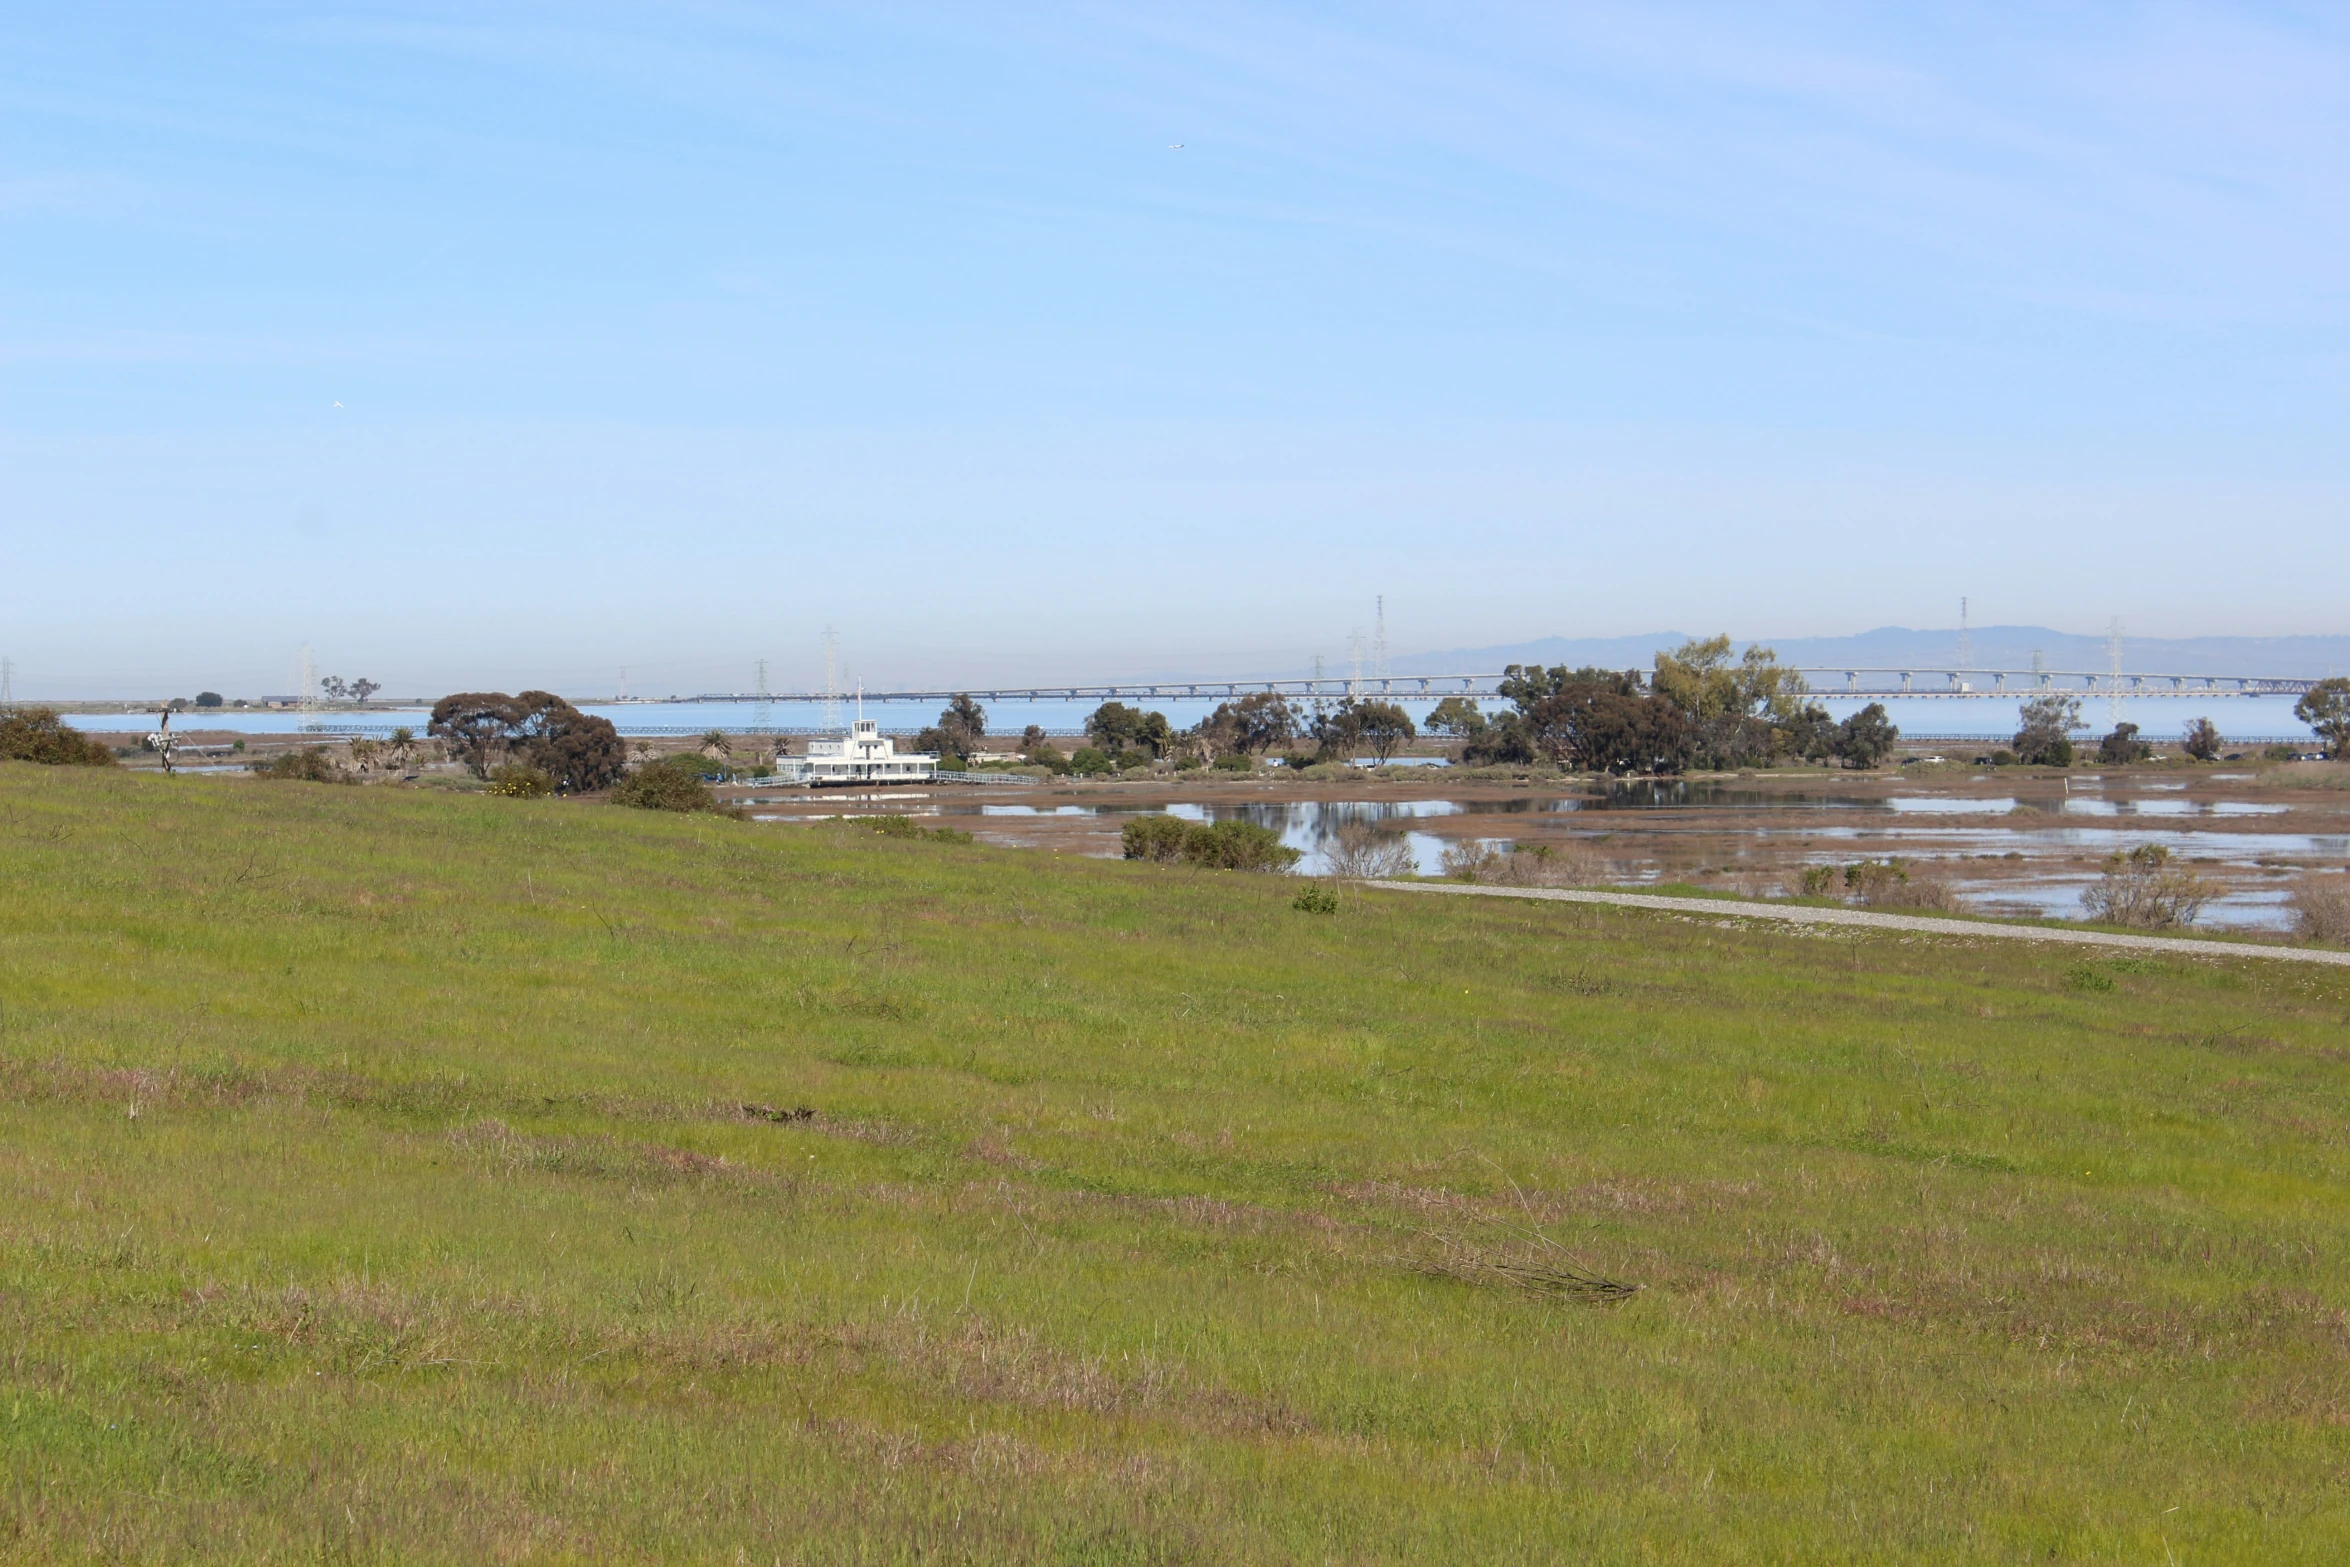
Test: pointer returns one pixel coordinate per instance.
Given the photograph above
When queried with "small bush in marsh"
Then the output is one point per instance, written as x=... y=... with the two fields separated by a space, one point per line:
x=1888 y=884
x=907 y=827
x=2321 y=910
x=1231 y=846
x=1360 y=852
x=1519 y=865
x=2142 y=889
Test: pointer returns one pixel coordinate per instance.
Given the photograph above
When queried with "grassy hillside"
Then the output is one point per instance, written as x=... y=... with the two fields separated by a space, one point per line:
x=376 y=1183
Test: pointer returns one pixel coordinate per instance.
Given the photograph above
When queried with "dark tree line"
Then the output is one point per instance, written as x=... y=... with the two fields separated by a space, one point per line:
x=1698 y=709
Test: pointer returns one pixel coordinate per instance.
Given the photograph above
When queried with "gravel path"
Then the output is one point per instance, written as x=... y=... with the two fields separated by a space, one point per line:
x=1795 y=915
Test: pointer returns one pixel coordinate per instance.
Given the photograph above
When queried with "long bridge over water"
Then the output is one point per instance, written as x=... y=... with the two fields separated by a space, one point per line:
x=1957 y=684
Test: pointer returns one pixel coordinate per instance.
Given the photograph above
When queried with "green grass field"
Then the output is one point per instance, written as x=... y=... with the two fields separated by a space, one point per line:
x=378 y=1187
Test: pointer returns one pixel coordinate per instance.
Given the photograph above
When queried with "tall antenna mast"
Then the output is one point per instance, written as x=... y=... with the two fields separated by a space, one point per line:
x=2113 y=656
x=832 y=679
x=1379 y=646
x=1966 y=640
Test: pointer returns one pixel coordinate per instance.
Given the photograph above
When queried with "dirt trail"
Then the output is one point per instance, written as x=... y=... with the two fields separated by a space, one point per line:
x=1795 y=915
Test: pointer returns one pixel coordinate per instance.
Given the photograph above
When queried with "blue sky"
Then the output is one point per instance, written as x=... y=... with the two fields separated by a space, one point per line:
x=1089 y=340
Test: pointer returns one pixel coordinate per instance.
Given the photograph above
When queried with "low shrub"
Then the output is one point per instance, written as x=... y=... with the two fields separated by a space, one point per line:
x=1887 y=884
x=907 y=827
x=2142 y=889
x=1237 y=762
x=1316 y=899
x=2321 y=910
x=1361 y=852
x=2308 y=775
x=37 y=734
x=1238 y=846
x=1469 y=860
x=662 y=787
x=1157 y=838
x=1232 y=846
x=311 y=764
x=1520 y=865
x=520 y=781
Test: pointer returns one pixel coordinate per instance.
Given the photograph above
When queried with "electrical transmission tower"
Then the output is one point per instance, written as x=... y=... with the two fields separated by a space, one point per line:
x=7 y=682
x=831 y=679
x=1966 y=640
x=1354 y=665
x=759 y=715
x=306 y=693
x=2113 y=656
x=1379 y=645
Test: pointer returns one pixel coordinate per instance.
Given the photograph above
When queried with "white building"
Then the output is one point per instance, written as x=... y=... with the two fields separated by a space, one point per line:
x=862 y=756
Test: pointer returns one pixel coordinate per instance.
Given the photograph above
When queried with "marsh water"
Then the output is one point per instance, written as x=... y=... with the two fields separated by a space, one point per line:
x=2030 y=847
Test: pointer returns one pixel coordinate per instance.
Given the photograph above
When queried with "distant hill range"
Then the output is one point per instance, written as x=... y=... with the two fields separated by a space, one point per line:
x=1899 y=647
